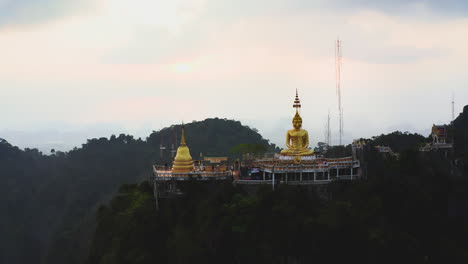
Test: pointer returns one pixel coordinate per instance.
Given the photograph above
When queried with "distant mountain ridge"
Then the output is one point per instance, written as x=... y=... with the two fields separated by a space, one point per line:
x=49 y=201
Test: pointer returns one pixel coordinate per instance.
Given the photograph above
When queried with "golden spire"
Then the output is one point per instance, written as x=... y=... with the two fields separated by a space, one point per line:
x=297 y=102
x=297 y=139
x=182 y=138
x=297 y=105
x=183 y=160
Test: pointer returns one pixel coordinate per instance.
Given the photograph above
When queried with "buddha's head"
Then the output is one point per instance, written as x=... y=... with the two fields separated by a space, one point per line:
x=297 y=121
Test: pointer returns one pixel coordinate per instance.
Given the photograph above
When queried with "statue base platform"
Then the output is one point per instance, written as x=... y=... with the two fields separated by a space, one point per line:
x=292 y=158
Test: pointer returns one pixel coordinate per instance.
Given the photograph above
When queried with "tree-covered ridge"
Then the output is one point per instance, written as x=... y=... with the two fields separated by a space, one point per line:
x=400 y=141
x=49 y=201
x=14 y=204
x=211 y=137
x=408 y=210
x=461 y=134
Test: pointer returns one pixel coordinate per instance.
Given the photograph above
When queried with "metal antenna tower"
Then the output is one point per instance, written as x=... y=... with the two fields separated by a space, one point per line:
x=338 y=66
x=173 y=150
x=161 y=146
x=327 y=130
x=453 y=106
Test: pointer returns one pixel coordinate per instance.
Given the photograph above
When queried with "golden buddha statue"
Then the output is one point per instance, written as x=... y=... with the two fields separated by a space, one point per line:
x=183 y=160
x=297 y=139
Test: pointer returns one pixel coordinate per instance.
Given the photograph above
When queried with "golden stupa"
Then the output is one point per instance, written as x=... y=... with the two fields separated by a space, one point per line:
x=297 y=139
x=183 y=160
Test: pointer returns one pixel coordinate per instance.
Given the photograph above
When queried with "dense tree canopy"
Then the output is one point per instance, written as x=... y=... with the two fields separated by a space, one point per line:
x=400 y=141
x=410 y=208
x=461 y=137
x=49 y=201
x=407 y=210
x=211 y=137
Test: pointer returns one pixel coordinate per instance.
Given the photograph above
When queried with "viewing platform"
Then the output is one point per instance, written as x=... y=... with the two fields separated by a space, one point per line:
x=313 y=170
x=161 y=173
x=297 y=164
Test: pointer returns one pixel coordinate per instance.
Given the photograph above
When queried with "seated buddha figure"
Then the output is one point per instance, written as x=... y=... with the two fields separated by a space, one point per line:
x=297 y=140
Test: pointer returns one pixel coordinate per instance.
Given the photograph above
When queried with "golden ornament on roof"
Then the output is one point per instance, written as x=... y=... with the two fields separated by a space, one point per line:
x=183 y=160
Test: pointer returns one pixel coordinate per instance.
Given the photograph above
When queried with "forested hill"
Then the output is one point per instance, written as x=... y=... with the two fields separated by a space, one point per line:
x=211 y=137
x=408 y=210
x=48 y=203
x=461 y=134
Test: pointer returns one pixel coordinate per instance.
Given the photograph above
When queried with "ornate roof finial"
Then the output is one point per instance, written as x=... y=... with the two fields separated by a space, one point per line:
x=297 y=102
x=182 y=138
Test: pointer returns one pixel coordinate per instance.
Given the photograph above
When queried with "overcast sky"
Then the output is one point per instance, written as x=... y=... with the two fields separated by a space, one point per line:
x=76 y=69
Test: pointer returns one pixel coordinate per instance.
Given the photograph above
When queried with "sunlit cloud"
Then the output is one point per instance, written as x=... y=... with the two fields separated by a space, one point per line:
x=137 y=111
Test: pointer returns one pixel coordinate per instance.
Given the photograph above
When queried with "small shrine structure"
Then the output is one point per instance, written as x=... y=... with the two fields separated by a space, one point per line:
x=166 y=179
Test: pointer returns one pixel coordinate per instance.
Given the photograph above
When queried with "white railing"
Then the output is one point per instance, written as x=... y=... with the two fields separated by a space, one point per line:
x=305 y=182
x=294 y=182
x=204 y=176
x=192 y=174
x=311 y=168
x=253 y=181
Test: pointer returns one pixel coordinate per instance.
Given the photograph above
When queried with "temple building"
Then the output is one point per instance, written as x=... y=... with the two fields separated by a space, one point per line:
x=183 y=167
x=439 y=134
x=165 y=179
x=298 y=164
x=441 y=139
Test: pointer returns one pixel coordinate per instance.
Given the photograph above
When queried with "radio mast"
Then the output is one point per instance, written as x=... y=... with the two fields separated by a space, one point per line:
x=174 y=142
x=327 y=130
x=338 y=66
x=453 y=106
x=161 y=146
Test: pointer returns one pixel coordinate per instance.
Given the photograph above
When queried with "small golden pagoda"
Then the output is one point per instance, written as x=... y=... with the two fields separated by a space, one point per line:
x=297 y=139
x=183 y=160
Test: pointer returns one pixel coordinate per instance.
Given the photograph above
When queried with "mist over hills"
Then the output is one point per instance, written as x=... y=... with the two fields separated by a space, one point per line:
x=64 y=136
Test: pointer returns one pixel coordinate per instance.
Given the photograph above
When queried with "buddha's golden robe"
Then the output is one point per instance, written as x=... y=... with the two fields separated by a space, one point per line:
x=297 y=139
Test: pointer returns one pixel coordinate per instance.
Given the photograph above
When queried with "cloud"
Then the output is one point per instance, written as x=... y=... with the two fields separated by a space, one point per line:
x=453 y=7
x=138 y=110
x=242 y=9
x=191 y=59
x=32 y=12
x=14 y=13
